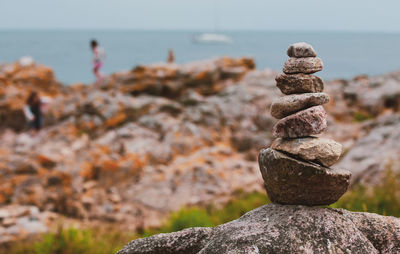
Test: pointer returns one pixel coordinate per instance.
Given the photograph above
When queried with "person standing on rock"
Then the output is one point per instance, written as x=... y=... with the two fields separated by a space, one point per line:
x=98 y=60
x=33 y=110
x=171 y=56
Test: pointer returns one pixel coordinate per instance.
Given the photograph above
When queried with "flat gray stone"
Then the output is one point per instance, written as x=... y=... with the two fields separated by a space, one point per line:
x=290 y=104
x=320 y=150
x=305 y=65
x=304 y=123
x=289 y=181
x=299 y=83
x=301 y=49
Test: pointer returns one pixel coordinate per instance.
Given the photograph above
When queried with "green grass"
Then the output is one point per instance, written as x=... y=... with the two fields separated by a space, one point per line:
x=72 y=241
x=238 y=207
x=360 y=116
x=210 y=216
x=383 y=198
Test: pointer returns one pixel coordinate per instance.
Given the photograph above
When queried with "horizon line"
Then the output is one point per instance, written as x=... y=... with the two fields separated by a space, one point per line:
x=3 y=29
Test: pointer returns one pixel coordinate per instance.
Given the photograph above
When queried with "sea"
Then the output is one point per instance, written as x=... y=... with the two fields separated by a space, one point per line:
x=345 y=54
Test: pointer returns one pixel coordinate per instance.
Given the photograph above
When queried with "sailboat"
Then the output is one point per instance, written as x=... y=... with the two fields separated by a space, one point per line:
x=212 y=38
x=215 y=37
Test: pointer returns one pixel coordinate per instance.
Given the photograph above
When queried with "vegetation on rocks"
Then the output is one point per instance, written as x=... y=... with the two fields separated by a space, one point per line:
x=211 y=216
x=360 y=116
x=72 y=241
x=383 y=198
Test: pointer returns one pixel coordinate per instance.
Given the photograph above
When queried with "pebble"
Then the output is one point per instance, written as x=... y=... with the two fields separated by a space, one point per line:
x=301 y=49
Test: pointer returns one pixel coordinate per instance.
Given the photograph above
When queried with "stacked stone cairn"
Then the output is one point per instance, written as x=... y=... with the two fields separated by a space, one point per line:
x=295 y=168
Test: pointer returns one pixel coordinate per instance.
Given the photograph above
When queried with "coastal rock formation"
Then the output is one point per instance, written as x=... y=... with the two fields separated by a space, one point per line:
x=287 y=178
x=165 y=151
x=282 y=229
x=204 y=78
x=376 y=151
x=16 y=82
x=171 y=80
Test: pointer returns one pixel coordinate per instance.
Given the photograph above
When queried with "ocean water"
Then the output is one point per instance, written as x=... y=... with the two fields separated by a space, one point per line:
x=344 y=54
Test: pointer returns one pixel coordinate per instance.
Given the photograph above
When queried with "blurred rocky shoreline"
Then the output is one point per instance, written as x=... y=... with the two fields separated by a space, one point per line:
x=163 y=136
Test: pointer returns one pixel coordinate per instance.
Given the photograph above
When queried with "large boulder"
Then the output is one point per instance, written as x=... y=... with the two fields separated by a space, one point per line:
x=282 y=229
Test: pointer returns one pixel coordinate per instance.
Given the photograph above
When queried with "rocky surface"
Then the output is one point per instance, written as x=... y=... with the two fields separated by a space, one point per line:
x=291 y=104
x=282 y=229
x=16 y=82
x=304 y=123
x=172 y=80
x=167 y=151
x=365 y=96
x=375 y=152
x=299 y=83
x=301 y=49
x=320 y=150
x=18 y=222
x=291 y=181
x=306 y=65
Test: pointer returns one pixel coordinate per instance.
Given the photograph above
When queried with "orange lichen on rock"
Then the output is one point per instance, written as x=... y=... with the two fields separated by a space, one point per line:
x=45 y=161
x=109 y=165
x=88 y=170
x=116 y=120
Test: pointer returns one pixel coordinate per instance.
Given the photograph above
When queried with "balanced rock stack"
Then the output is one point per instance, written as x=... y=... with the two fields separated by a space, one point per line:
x=295 y=168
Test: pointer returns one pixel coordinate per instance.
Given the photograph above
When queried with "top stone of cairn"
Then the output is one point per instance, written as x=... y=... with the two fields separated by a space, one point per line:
x=301 y=49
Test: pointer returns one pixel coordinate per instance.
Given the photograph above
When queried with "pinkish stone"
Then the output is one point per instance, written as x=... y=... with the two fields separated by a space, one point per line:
x=304 y=123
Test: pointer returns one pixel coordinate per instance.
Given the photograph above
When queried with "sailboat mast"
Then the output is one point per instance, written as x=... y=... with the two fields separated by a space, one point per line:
x=216 y=16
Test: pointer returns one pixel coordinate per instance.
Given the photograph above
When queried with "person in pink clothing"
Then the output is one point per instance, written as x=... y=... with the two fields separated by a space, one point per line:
x=98 y=60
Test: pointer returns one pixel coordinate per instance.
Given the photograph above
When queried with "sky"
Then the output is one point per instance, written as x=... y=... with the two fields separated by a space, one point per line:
x=304 y=15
